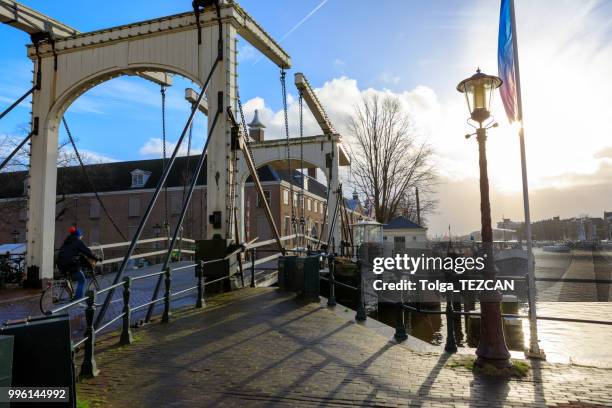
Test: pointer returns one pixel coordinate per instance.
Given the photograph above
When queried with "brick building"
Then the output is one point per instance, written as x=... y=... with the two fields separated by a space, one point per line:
x=125 y=189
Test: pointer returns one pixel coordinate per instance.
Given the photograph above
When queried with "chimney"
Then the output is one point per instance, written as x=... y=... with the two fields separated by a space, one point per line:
x=256 y=128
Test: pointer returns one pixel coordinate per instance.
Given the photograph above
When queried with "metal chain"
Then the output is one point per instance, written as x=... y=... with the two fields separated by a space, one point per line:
x=288 y=150
x=303 y=198
x=163 y=101
x=91 y=184
x=187 y=180
x=244 y=127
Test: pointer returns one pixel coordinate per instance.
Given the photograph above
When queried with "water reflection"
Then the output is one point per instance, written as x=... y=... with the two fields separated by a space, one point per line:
x=578 y=343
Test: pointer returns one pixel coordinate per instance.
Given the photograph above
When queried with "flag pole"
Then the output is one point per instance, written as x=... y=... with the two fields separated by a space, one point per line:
x=534 y=350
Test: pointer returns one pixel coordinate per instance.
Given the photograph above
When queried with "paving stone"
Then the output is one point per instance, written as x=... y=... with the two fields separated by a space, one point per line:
x=261 y=347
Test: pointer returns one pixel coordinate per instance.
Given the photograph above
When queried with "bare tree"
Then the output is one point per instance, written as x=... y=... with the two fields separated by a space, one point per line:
x=66 y=157
x=389 y=162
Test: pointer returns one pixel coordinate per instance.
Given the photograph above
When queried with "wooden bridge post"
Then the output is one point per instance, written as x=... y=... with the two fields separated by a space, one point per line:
x=89 y=368
x=168 y=282
x=126 y=333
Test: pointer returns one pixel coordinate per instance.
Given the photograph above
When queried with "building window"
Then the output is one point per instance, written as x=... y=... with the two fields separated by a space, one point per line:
x=316 y=206
x=268 y=196
x=132 y=231
x=94 y=236
x=139 y=178
x=286 y=197
x=133 y=206
x=295 y=199
x=176 y=204
x=287 y=226
x=94 y=208
x=399 y=242
x=321 y=207
x=309 y=204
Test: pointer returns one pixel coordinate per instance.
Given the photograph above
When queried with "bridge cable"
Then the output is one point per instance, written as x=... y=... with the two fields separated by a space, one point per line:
x=164 y=161
x=325 y=208
x=153 y=200
x=187 y=178
x=194 y=108
x=193 y=182
x=302 y=203
x=332 y=225
x=288 y=149
x=90 y=182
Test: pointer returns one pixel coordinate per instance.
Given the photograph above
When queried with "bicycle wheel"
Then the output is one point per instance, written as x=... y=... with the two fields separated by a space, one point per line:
x=56 y=292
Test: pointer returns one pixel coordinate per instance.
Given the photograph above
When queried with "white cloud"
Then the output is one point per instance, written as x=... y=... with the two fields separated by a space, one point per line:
x=339 y=97
x=154 y=148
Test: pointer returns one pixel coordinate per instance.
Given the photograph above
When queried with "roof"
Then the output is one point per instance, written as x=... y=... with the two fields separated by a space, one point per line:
x=401 y=223
x=116 y=176
x=314 y=186
x=351 y=203
x=256 y=123
x=106 y=177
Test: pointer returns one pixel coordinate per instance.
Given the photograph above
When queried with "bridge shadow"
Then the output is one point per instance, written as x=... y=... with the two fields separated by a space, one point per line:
x=257 y=347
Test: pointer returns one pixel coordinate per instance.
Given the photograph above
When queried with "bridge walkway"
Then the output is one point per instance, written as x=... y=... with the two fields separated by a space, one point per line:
x=263 y=347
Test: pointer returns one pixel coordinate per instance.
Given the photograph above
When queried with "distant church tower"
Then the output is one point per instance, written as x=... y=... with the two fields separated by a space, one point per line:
x=256 y=128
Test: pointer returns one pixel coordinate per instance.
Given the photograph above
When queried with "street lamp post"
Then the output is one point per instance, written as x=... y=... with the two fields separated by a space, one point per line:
x=492 y=349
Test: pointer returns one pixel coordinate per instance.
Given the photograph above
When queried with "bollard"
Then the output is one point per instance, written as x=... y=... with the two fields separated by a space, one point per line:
x=200 y=302
x=360 y=314
x=89 y=368
x=331 y=300
x=451 y=344
x=253 y=253
x=126 y=332
x=400 y=328
x=168 y=281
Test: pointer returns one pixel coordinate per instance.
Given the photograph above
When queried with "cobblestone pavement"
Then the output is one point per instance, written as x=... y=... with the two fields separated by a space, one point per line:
x=262 y=347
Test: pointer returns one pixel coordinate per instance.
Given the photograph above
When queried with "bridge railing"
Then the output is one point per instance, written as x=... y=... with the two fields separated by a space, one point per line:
x=449 y=312
x=87 y=343
x=182 y=249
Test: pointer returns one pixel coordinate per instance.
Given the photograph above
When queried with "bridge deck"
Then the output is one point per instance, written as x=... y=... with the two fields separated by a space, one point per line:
x=262 y=347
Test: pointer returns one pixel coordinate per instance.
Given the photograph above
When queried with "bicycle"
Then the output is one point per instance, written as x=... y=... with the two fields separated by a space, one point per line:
x=61 y=290
x=11 y=270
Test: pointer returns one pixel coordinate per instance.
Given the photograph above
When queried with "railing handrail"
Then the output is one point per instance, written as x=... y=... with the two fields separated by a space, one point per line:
x=142 y=241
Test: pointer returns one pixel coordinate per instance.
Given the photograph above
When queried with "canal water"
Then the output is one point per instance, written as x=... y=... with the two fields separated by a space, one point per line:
x=576 y=343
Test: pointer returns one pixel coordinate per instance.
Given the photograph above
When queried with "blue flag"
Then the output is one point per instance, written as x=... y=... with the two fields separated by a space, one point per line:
x=506 y=63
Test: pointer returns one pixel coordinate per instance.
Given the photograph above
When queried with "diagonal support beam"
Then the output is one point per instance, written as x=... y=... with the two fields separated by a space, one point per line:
x=248 y=28
x=313 y=103
x=192 y=96
x=241 y=144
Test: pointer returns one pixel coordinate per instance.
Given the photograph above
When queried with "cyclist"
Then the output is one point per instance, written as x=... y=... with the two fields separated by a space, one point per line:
x=69 y=259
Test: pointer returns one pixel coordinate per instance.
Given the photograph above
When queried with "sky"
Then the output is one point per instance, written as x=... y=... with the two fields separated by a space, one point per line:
x=417 y=51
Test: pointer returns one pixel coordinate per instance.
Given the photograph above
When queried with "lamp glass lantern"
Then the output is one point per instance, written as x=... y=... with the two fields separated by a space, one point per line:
x=478 y=90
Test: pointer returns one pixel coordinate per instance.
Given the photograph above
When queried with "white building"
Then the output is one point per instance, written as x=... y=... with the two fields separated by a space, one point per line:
x=400 y=233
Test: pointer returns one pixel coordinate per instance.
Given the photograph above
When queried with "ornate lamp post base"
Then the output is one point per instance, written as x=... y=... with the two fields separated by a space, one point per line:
x=492 y=348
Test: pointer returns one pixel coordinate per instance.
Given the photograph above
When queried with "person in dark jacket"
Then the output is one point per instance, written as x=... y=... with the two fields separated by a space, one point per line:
x=69 y=259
